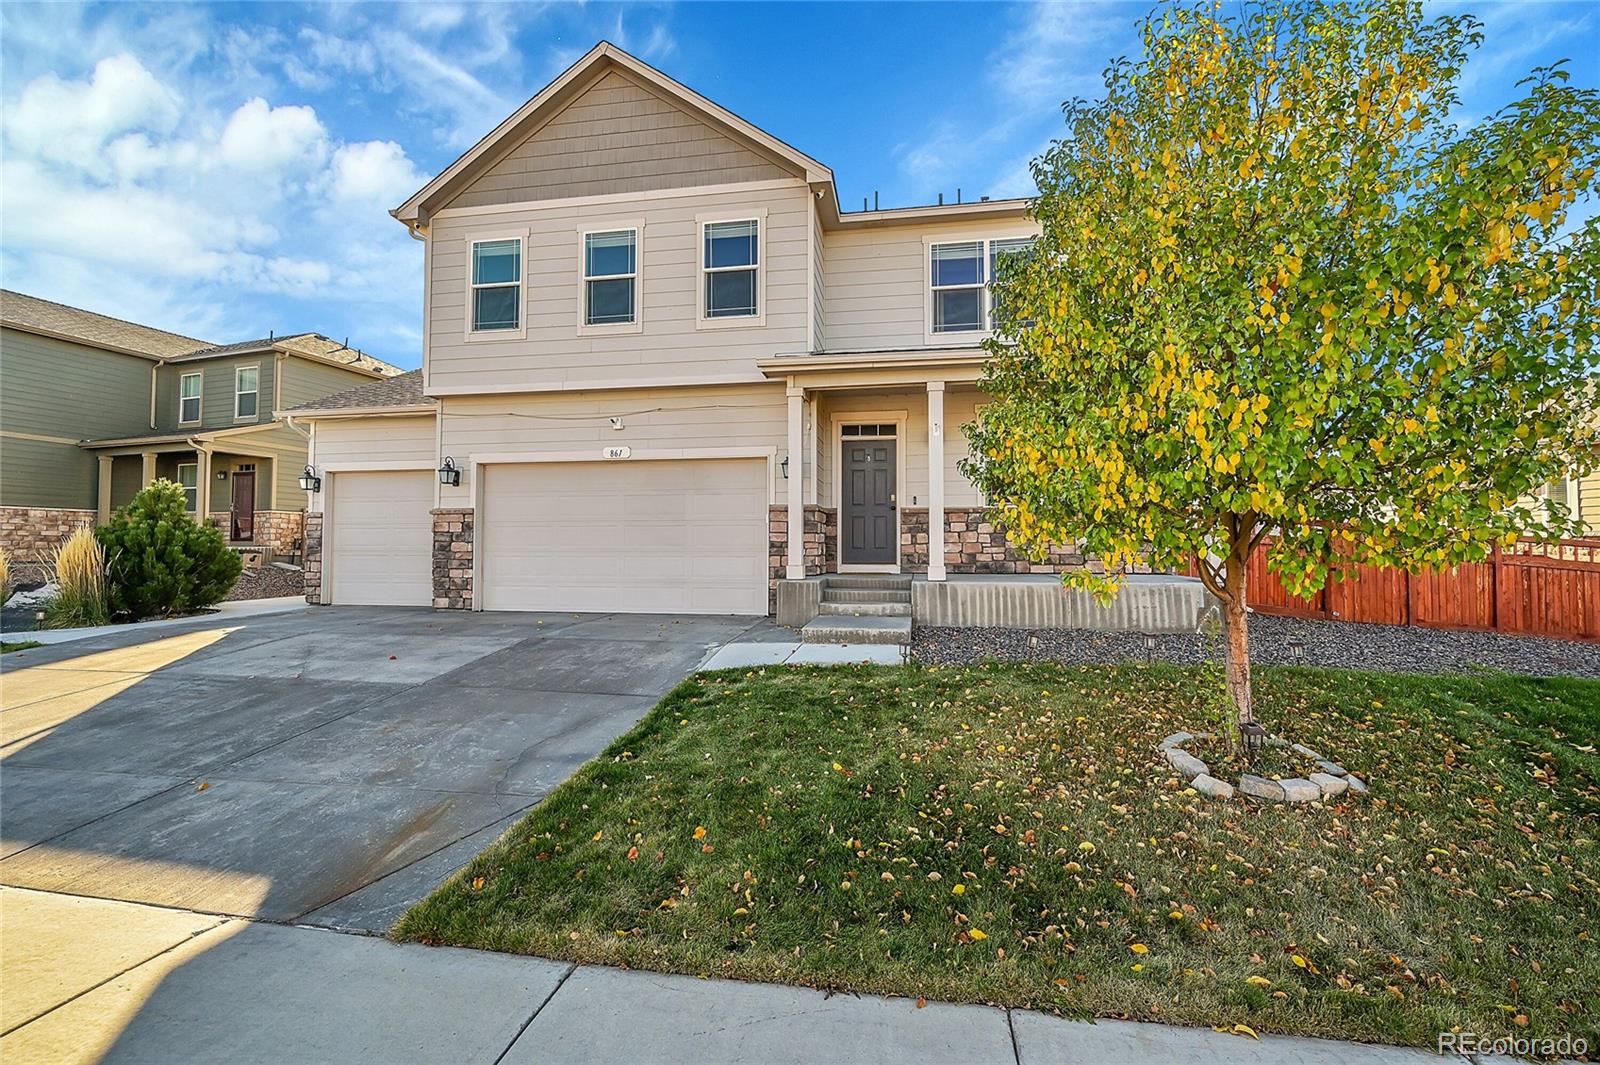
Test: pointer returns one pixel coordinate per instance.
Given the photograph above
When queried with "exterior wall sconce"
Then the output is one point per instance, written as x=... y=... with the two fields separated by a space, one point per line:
x=449 y=476
x=785 y=465
x=309 y=481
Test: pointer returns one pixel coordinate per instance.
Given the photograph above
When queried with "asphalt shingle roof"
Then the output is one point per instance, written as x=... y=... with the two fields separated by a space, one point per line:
x=314 y=344
x=26 y=311
x=402 y=391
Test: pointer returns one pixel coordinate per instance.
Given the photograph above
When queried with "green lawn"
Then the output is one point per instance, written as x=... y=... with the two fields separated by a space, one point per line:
x=21 y=645
x=1008 y=834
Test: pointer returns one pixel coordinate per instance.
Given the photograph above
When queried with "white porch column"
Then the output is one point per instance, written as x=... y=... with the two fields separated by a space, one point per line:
x=936 y=480
x=202 y=498
x=796 y=569
x=104 y=500
x=147 y=471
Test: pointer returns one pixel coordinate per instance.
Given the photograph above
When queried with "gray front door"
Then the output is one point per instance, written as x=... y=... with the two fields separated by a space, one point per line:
x=868 y=528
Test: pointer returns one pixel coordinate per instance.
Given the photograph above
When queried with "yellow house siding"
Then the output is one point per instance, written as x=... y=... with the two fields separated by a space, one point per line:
x=617 y=137
x=1589 y=501
x=670 y=346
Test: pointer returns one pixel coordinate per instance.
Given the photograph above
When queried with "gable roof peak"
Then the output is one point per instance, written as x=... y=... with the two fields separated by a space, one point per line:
x=567 y=86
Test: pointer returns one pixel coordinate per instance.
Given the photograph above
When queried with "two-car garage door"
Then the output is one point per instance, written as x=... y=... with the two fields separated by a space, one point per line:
x=631 y=536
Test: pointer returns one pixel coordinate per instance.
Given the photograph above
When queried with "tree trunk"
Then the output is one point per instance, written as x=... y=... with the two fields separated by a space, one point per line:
x=1236 y=621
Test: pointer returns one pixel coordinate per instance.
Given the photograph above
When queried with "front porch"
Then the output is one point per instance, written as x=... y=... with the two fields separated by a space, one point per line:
x=235 y=488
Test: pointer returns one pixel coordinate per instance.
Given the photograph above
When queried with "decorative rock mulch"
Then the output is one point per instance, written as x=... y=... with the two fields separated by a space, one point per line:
x=1330 y=780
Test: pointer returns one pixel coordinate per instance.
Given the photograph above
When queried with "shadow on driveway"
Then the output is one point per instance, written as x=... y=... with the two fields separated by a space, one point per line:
x=328 y=766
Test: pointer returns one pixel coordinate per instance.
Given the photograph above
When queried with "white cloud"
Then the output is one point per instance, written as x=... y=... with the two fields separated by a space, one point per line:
x=261 y=137
x=64 y=120
x=374 y=172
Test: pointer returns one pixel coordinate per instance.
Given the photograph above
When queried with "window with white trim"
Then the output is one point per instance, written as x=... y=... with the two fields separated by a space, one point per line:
x=496 y=285
x=610 y=273
x=189 y=399
x=189 y=479
x=730 y=264
x=246 y=391
x=961 y=275
x=997 y=248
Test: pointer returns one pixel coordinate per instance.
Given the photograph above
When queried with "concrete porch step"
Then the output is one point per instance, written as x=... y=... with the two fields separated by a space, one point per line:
x=826 y=629
x=867 y=582
x=831 y=594
x=864 y=610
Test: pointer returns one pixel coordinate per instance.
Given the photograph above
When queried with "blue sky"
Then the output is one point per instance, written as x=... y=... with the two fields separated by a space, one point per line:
x=225 y=170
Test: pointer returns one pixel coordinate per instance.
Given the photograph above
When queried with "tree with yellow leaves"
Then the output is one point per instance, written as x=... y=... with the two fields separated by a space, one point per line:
x=1280 y=292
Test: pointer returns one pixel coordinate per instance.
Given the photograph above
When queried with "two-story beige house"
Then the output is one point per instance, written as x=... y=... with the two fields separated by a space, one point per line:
x=664 y=369
x=94 y=408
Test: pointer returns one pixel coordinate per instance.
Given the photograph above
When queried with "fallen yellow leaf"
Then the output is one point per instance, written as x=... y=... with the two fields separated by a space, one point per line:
x=977 y=935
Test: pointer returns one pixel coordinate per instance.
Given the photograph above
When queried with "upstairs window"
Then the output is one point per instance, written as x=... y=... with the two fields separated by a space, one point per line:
x=958 y=284
x=999 y=249
x=246 y=391
x=189 y=479
x=610 y=276
x=731 y=261
x=189 y=399
x=496 y=285
x=961 y=276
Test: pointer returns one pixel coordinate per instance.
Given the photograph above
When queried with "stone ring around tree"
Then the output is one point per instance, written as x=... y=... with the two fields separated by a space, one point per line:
x=1330 y=779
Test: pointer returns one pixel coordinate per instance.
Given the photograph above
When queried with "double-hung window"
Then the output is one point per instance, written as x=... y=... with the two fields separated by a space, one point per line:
x=731 y=265
x=496 y=285
x=961 y=277
x=958 y=286
x=189 y=480
x=610 y=278
x=999 y=249
x=189 y=399
x=246 y=392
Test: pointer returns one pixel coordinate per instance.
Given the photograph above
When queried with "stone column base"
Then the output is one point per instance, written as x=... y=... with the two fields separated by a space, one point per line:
x=452 y=558
x=311 y=556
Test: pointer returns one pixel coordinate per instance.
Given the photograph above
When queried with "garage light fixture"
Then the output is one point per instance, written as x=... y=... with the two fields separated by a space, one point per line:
x=449 y=476
x=785 y=465
x=309 y=481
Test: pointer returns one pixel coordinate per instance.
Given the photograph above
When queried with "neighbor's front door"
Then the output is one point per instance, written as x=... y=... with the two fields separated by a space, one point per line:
x=244 y=505
x=868 y=528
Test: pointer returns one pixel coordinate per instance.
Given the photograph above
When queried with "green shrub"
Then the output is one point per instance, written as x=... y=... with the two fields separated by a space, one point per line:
x=160 y=561
x=80 y=598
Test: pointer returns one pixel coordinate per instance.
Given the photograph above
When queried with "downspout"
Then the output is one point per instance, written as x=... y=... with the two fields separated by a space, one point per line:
x=153 y=371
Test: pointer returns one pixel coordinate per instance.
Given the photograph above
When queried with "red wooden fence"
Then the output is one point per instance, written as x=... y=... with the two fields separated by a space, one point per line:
x=1533 y=588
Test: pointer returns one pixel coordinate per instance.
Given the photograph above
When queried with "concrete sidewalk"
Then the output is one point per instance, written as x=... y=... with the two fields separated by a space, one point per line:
x=88 y=980
x=229 y=611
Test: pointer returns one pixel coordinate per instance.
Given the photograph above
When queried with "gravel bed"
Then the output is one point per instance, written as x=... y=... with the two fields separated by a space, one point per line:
x=1345 y=645
x=269 y=582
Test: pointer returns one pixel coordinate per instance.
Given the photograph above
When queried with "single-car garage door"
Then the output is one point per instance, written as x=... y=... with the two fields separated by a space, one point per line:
x=637 y=536
x=380 y=546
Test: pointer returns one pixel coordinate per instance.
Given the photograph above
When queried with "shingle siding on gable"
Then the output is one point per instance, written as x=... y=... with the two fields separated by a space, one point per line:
x=617 y=137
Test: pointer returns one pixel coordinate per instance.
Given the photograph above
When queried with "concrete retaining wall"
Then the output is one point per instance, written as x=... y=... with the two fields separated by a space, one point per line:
x=1145 y=604
x=798 y=601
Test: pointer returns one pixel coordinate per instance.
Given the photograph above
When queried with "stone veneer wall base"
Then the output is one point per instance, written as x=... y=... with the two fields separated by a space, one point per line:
x=311 y=557
x=452 y=558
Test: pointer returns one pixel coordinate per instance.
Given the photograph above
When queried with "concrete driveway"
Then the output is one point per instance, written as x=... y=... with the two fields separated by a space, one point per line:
x=327 y=766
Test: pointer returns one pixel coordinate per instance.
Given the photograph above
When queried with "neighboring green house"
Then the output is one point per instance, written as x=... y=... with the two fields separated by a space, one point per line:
x=93 y=408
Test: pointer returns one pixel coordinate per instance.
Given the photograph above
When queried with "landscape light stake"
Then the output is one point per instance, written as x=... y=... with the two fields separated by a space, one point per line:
x=38 y=619
x=1297 y=651
x=1149 y=647
x=1254 y=736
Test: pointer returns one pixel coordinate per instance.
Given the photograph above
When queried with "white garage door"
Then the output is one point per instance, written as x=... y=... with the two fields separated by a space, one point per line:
x=381 y=542
x=638 y=537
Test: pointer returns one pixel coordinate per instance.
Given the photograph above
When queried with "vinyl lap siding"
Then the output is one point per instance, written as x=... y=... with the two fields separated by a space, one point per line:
x=375 y=440
x=819 y=289
x=72 y=392
x=877 y=282
x=305 y=380
x=617 y=137
x=960 y=406
x=216 y=392
x=670 y=347
x=741 y=416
